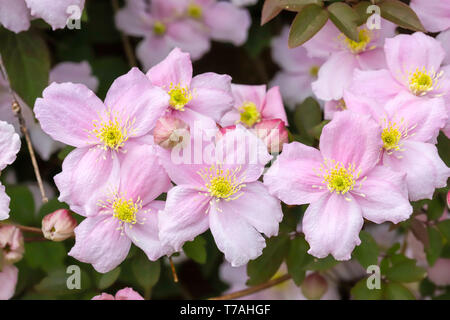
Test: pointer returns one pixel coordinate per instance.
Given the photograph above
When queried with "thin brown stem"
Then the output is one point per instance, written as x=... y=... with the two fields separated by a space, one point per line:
x=125 y=40
x=23 y=228
x=174 y=271
x=251 y=290
x=17 y=109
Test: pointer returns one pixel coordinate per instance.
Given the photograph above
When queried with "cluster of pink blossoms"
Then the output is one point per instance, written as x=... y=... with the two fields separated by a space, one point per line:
x=133 y=146
x=187 y=24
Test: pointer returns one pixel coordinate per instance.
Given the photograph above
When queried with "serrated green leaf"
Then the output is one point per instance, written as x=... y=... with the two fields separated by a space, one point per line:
x=27 y=62
x=400 y=14
x=367 y=252
x=196 y=250
x=306 y=24
x=405 y=271
x=396 y=291
x=345 y=19
x=267 y=264
x=297 y=259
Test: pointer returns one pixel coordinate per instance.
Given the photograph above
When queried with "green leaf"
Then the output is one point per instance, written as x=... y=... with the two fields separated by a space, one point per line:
x=401 y=14
x=297 y=5
x=427 y=288
x=22 y=209
x=435 y=209
x=434 y=249
x=361 y=292
x=106 y=280
x=267 y=264
x=146 y=272
x=396 y=291
x=196 y=250
x=322 y=264
x=345 y=19
x=316 y=131
x=361 y=10
x=444 y=228
x=270 y=10
x=405 y=271
x=55 y=283
x=367 y=252
x=307 y=116
x=65 y=152
x=46 y=255
x=27 y=62
x=306 y=24
x=297 y=259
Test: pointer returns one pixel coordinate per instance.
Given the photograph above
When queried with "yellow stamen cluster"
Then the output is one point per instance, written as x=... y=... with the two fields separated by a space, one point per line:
x=421 y=81
x=122 y=209
x=179 y=96
x=222 y=184
x=249 y=114
x=159 y=28
x=314 y=71
x=391 y=138
x=360 y=46
x=112 y=133
x=337 y=177
x=195 y=11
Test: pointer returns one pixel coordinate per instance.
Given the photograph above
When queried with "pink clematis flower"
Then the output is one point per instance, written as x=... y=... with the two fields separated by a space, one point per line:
x=414 y=66
x=72 y=114
x=126 y=213
x=9 y=147
x=342 y=182
x=434 y=14
x=344 y=56
x=123 y=294
x=11 y=251
x=8 y=279
x=187 y=24
x=222 y=194
x=253 y=104
x=298 y=70
x=16 y=15
x=203 y=98
x=409 y=130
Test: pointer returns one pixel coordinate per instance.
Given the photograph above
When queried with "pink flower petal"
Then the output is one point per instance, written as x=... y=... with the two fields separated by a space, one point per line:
x=175 y=69
x=385 y=196
x=54 y=13
x=332 y=225
x=294 y=88
x=434 y=14
x=351 y=138
x=67 y=111
x=128 y=294
x=228 y=23
x=14 y=15
x=133 y=97
x=184 y=217
x=145 y=233
x=273 y=107
x=439 y=274
x=76 y=72
x=134 y=19
x=187 y=36
x=8 y=279
x=292 y=176
x=234 y=236
x=4 y=203
x=424 y=168
x=325 y=42
x=99 y=241
x=9 y=144
x=152 y=50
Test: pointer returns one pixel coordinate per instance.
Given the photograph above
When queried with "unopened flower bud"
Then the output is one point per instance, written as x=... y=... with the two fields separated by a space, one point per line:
x=222 y=131
x=170 y=131
x=59 y=225
x=11 y=243
x=314 y=286
x=274 y=134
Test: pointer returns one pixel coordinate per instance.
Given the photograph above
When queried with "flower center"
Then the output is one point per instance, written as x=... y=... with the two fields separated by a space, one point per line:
x=159 y=28
x=392 y=135
x=421 y=81
x=222 y=184
x=249 y=114
x=314 y=71
x=361 y=45
x=125 y=210
x=195 y=11
x=179 y=96
x=337 y=177
x=112 y=133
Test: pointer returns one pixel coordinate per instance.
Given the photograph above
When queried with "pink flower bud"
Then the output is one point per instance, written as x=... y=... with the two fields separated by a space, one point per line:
x=124 y=294
x=314 y=286
x=170 y=131
x=274 y=134
x=222 y=131
x=448 y=199
x=59 y=225
x=11 y=243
